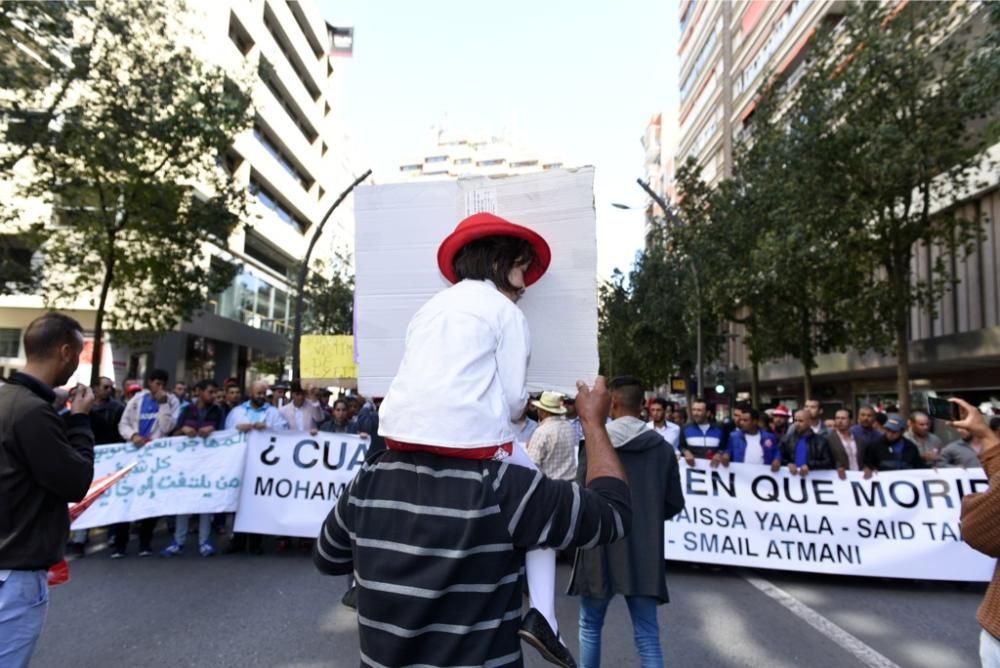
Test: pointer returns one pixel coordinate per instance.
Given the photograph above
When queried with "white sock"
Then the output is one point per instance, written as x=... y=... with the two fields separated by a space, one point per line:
x=540 y=567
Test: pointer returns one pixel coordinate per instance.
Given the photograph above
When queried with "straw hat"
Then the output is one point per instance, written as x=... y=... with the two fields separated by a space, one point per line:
x=550 y=402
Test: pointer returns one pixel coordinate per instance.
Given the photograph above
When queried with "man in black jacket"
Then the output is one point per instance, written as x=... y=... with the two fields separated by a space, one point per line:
x=895 y=452
x=46 y=462
x=633 y=567
x=805 y=449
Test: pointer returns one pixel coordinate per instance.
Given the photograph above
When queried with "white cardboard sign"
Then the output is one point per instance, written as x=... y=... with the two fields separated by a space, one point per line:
x=399 y=228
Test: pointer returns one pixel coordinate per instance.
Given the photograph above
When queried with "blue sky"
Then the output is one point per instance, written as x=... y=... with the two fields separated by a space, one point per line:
x=577 y=81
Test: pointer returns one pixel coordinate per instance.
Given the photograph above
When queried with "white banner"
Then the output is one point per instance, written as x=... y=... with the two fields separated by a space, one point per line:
x=174 y=476
x=902 y=524
x=294 y=479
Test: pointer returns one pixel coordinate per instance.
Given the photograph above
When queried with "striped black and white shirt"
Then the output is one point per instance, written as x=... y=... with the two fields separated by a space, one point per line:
x=437 y=547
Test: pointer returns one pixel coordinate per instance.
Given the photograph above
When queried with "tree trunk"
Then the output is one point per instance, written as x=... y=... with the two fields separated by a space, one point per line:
x=755 y=384
x=304 y=271
x=807 y=382
x=102 y=302
x=903 y=360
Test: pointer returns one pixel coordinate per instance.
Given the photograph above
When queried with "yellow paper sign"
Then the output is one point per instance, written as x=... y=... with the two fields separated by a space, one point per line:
x=329 y=356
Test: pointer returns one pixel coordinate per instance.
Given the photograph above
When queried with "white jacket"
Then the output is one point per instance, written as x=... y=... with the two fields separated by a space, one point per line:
x=464 y=371
x=165 y=419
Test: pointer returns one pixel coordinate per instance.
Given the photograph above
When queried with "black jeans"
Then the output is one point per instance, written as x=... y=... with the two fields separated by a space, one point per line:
x=146 y=527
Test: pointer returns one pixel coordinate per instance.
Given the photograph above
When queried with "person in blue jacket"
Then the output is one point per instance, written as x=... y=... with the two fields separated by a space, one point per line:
x=701 y=438
x=750 y=444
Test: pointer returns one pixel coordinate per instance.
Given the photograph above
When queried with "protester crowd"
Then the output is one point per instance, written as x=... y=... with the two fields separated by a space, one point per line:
x=804 y=441
x=140 y=414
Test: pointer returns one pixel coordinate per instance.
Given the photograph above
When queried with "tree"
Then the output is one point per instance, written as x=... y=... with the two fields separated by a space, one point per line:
x=914 y=88
x=133 y=169
x=329 y=301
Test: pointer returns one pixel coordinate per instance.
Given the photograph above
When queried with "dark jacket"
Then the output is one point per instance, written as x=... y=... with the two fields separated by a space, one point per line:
x=192 y=416
x=634 y=567
x=367 y=421
x=104 y=421
x=46 y=462
x=349 y=427
x=901 y=455
x=840 y=456
x=819 y=456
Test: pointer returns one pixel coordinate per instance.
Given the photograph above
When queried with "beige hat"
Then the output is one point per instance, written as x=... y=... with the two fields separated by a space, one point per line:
x=550 y=402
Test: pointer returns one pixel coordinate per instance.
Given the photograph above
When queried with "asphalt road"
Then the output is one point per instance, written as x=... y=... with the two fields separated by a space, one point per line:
x=276 y=610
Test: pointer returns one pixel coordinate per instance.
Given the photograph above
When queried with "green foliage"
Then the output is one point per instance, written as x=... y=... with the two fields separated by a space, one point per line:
x=329 y=300
x=130 y=169
x=837 y=180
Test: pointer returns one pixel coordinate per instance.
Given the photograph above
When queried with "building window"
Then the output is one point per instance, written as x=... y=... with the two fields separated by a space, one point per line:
x=297 y=116
x=10 y=342
x=285 y=46
x=239 y=36
x=278 y=154
x=266 y=197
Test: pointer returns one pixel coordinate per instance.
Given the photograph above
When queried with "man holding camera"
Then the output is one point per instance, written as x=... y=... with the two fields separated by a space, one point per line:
x=46 y=462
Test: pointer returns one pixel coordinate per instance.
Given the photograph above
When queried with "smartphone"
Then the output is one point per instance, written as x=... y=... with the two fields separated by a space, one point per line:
x=942 y=409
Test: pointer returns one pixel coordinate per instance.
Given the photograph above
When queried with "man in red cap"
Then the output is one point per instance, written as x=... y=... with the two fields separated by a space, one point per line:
x=779 y=420
x=441 y=521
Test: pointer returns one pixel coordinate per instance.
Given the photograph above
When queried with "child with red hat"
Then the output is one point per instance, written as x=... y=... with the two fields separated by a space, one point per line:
x=468 y=347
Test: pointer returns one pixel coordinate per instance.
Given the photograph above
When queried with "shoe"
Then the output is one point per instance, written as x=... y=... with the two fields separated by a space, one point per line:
x=172 y=550
x=145 y=551
x=235 y=546
x=350 y=598
x=206 y=550
x=76 y=549
x=118 y=554
x=537 y=633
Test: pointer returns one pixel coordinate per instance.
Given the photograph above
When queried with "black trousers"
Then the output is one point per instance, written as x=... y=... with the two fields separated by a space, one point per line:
x=146 y=527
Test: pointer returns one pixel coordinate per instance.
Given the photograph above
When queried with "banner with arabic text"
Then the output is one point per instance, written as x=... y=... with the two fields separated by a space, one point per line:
x=172 y=476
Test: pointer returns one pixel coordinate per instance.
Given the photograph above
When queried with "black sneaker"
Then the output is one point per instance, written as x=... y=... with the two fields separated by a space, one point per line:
x=350 y=598
x=117 y=554
x=536 y=632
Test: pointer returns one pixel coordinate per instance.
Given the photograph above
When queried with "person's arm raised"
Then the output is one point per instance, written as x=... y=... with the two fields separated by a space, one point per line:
x=592 y=405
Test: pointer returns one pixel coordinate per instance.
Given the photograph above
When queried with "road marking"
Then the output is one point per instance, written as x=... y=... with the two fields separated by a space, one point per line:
x=864 y=653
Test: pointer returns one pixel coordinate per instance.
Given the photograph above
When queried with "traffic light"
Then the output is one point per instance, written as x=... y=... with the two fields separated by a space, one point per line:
x=720 y=382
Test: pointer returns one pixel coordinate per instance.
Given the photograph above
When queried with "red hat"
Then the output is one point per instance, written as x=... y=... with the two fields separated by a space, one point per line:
x=481 y=225
x=133 y=387
x=781 y=410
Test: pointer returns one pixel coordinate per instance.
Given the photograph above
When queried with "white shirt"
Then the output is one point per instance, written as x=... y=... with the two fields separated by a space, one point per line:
x=464 y=371
x=247 y=413
x=754 y=453
x=670 y=432
x=851 y=448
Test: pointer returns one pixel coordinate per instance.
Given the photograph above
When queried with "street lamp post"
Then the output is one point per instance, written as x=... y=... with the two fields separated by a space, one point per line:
x=672 y=217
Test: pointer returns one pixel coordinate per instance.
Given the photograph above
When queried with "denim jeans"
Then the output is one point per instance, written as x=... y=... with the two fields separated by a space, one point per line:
x=24 y=599
x=989 y=650
x=644 y=626
x=204 y=528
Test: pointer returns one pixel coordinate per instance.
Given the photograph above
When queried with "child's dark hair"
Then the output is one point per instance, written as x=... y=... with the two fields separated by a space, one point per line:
x=492 y=258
